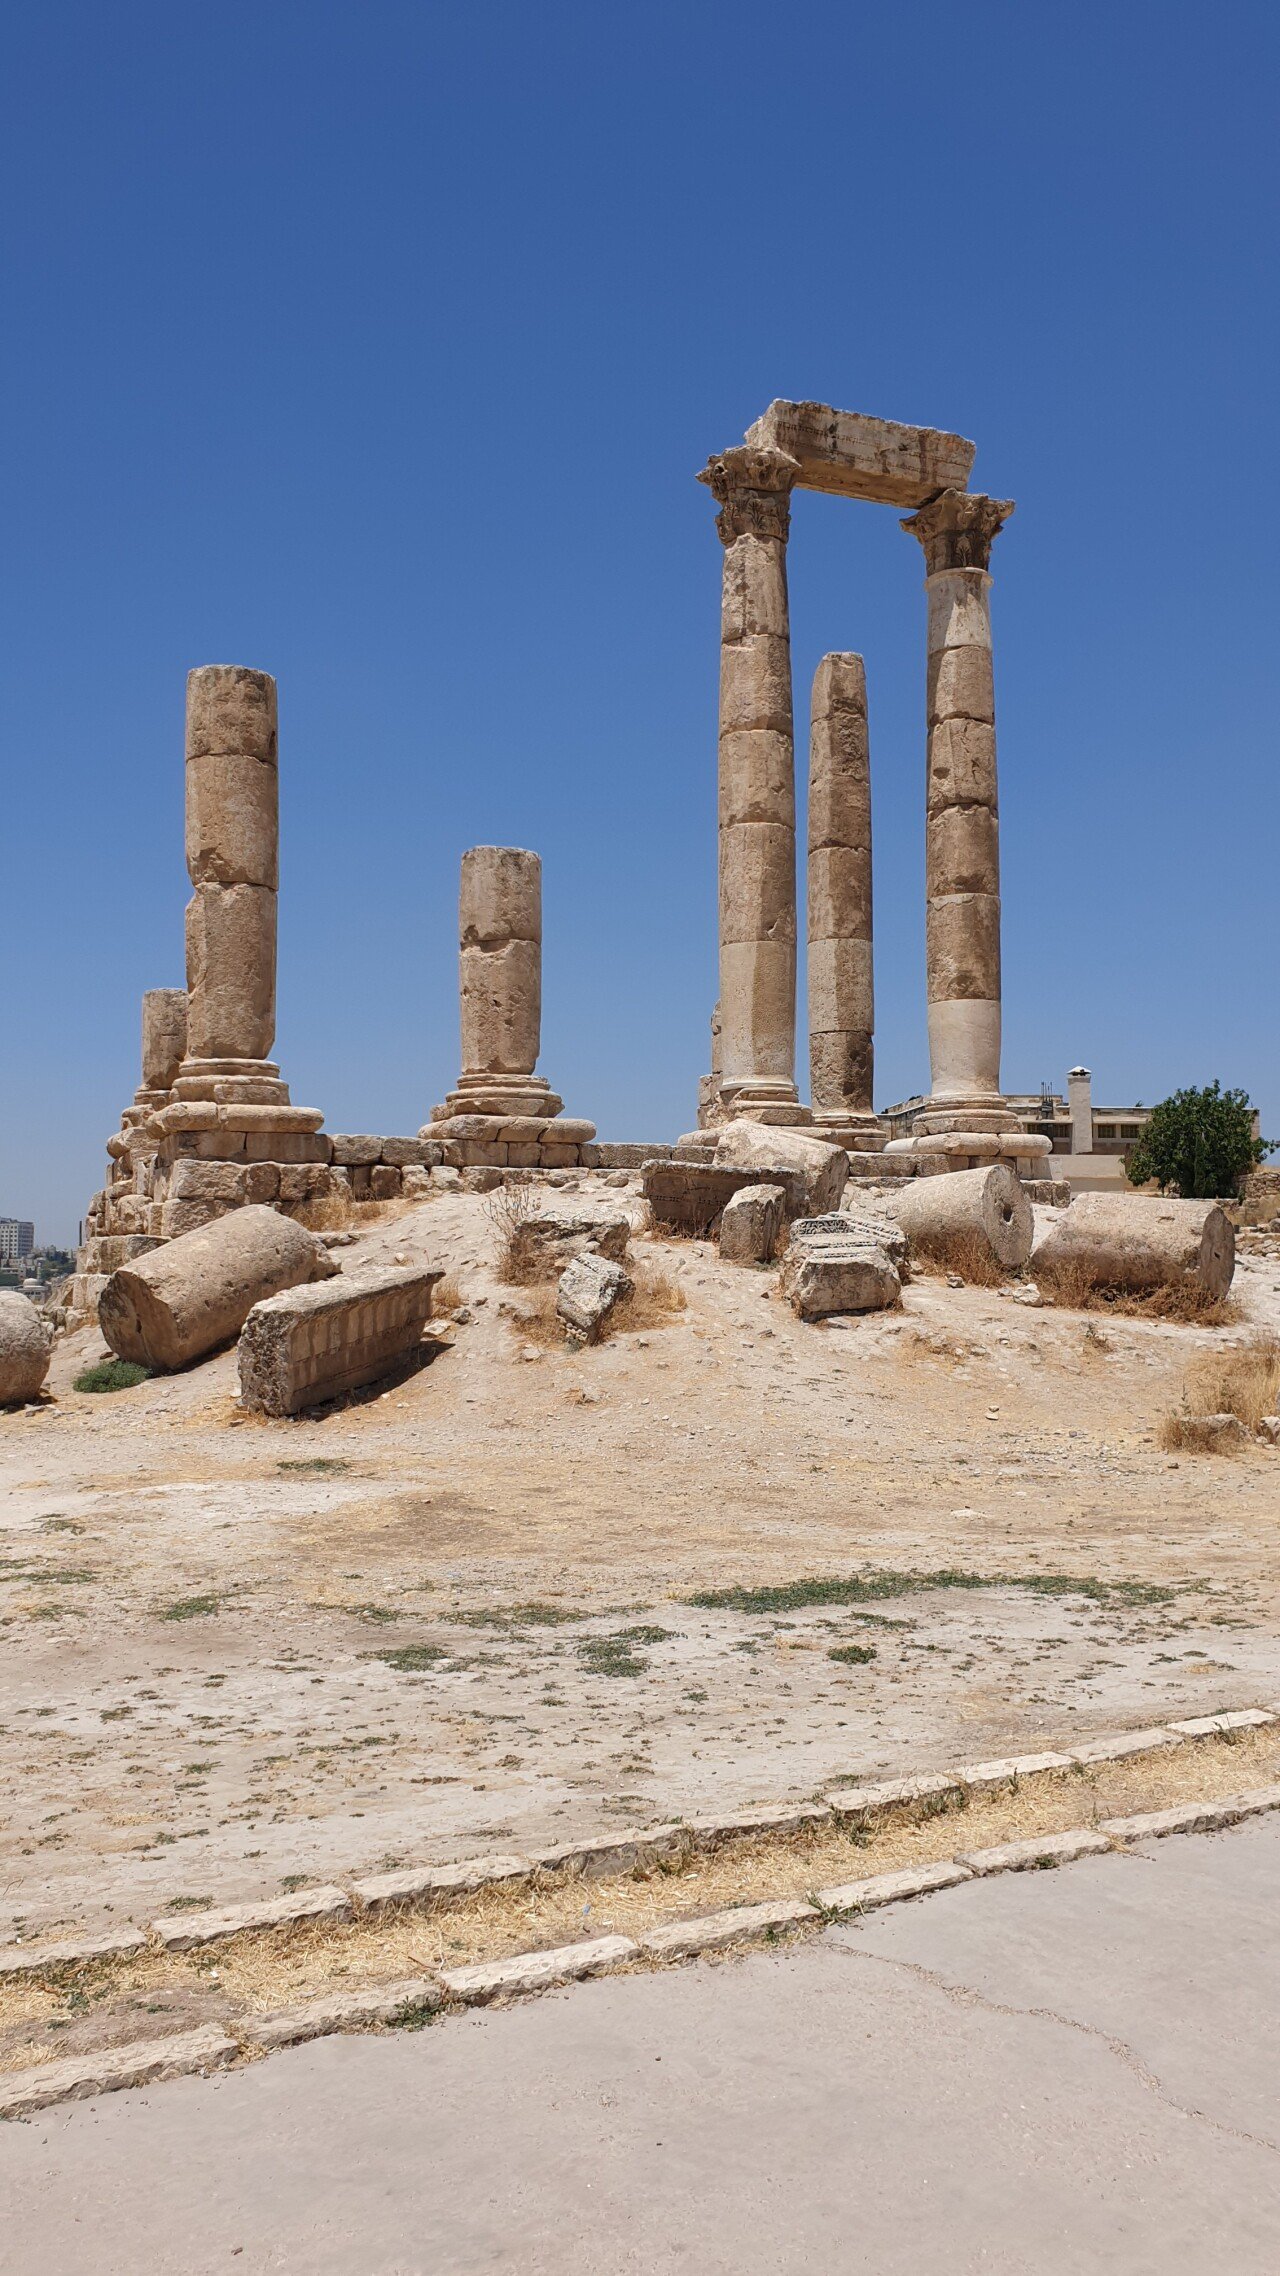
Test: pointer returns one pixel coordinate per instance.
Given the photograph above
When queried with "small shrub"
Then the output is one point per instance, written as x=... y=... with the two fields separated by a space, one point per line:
x=1194 y=1434
x=189 y=1608
x=511 y=1209
x=412 y=1659
x=1199 y=1144
x=113 y=1375
x=447 y=1295
x=852 y=1655
x=1243 y=1381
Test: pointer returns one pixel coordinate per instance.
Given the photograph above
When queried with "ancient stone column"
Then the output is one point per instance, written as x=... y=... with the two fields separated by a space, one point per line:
x=962 y=853
x=232 y=844
x=841 y=995
x=502 y=1113
x=757 y=861
x=500 y=978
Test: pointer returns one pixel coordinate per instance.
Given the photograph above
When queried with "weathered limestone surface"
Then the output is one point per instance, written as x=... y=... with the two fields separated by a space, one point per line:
x=589 y=1289
x=860 y=457
x=232 y=808
x=757 y=804
x=1139 y=1241
x=195 y=1292
x=841 y=990
x=782 y=1156
x=559 y=1235
x=829 y=1272
x=24 y=1349
x=988 y=1206
x=751 y=1224
x=309 y=1344
x=164 y=1037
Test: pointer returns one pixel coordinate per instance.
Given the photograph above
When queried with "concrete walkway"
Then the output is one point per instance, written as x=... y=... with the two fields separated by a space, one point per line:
x=1040 y=2074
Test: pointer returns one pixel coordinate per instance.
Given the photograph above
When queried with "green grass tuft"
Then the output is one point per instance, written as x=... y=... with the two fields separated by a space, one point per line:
x=412 y=1659
x=189 y=1608
x=866 y=1588
x=113 y=1375
x=853 y=1655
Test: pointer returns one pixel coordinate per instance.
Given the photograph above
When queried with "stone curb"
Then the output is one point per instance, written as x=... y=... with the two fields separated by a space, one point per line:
x=137 y=2065
x=24 y=2092
x=430 y=1885
x=1042 y=1849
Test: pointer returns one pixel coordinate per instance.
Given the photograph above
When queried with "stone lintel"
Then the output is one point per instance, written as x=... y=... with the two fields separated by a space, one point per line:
x=856 y=456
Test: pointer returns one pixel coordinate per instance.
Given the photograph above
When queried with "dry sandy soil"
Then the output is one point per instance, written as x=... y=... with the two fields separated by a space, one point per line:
x=457 y=1616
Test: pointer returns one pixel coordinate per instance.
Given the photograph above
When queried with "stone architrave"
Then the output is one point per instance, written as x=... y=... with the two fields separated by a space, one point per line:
x=502 y=1111
x=962 y=846
x=841 y=992
x=757 y=799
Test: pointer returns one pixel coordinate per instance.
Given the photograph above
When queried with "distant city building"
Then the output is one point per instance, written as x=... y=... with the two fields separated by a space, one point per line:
x=17 y=1240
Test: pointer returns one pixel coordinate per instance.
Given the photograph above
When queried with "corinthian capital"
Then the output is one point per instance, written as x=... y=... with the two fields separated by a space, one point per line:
x=752 y=487
x=957 y=527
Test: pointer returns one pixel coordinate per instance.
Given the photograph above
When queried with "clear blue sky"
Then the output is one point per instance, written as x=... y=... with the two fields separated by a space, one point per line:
x=378 y=345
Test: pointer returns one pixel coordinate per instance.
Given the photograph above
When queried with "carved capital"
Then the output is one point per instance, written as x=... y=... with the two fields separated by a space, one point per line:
x=752 y=487
x=957 y=527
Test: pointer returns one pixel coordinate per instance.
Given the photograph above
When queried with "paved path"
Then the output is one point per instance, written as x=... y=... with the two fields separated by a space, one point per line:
x=1041 y=2074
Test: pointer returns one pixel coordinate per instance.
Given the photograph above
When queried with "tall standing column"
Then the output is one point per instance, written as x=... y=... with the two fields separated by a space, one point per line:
x=232 y=860
x=962 y=847
x=841 y=990
x=757 y=798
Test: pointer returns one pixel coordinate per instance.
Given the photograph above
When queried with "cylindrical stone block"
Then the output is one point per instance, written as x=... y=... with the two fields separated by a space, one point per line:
x=939 y=1215
x=500 y=960
x=962 y=845
x=1136 y=1242
x=757 y=884
x=231 y=972
x=232 y=837
x=841 y=995
x=25 y=1346
x=164 y=1036
x=196 y=1292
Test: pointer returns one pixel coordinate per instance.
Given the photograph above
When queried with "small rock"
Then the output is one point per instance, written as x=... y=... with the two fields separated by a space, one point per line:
x=1269 y=1429
x=589 y=1288
x=530 y=1352
x=463 y=1315
x=954 y=1280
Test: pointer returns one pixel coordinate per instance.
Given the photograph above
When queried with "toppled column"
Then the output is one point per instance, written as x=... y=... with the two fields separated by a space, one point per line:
x=1135 y=1243
x=228 y=1103
x=502 y=1112
x=962 y=846
x=195 y=1293
x=969 y=1223
x=757 y=795
x=841 y=989
x=25 y=1347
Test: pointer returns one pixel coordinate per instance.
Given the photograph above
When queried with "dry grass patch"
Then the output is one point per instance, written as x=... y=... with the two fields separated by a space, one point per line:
x=1073 y=1288
x=265 y=1971
x=519 y=1260
x=1243 y=1381
x=654 y=1301
x=966 y=1255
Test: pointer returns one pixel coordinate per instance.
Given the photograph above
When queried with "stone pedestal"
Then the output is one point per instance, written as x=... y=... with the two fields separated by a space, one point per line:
x=965 y=1119
x=757 y=804
x=502 y=1114
x=841 y=991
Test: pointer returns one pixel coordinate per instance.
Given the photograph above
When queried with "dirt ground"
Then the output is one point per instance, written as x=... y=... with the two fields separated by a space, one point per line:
x=456 y=1615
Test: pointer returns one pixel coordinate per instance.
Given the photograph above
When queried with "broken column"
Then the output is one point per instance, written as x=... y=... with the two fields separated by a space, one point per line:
x=503 y=1113
x=841 y=992
x=757 y=800
x=965 y=1119
x=228 y=1103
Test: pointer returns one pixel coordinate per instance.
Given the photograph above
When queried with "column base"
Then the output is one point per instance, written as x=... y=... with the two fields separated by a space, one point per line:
x=760 y=1098
x=956 y=1146
x=857 y=1132
x=506 y=1096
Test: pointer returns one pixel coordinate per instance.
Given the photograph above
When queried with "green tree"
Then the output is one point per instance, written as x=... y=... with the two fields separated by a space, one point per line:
x=1198 y=1144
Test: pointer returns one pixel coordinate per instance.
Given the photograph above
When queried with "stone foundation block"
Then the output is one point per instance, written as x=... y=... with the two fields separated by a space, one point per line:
x=416 y=1153
x=558 y=1157
x=787 y=1158
x=223 y=1182
x=826 y=1273
x=622 y=1157
x=589 y=1288
x=751 y=1224
x=352 y=1152
x=307 y=1345
x=384 y=1182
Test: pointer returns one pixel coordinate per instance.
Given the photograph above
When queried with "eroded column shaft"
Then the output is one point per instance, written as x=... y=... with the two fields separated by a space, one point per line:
x=164 y=1037
x=841 y=995
x=500 y=960
x=232 y=811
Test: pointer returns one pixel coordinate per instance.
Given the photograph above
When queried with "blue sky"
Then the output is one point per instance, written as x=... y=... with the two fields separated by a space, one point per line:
x=378 y=345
